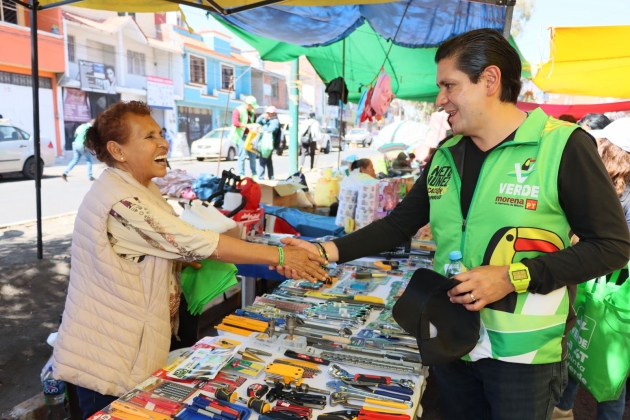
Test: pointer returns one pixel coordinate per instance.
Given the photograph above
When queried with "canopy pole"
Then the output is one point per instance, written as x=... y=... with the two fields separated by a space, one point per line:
x=294 y=105
x=343 y=75
x=38 y=161
x=507 y=24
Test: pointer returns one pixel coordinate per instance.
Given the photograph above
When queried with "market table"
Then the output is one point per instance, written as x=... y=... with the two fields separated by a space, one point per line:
x=317 y=381
x=249 y=274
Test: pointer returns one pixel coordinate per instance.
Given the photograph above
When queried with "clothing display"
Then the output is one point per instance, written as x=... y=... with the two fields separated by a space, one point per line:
x=337 y=91
x=175 y=182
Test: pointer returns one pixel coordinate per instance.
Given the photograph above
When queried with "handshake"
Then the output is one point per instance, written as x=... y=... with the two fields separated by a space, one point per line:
x=302 y=260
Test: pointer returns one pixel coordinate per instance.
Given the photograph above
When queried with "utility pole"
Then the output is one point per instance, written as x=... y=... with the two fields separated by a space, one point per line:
x=294 y=105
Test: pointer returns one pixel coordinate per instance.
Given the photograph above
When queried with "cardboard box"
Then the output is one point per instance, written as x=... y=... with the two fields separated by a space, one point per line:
x=279 y=193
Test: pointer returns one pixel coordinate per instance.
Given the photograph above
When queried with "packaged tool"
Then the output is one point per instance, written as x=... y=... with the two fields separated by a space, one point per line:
x=206 y=362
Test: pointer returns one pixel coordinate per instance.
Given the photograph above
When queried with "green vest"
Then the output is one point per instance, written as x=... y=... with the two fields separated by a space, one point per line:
x=236 y=135
x=514 y=214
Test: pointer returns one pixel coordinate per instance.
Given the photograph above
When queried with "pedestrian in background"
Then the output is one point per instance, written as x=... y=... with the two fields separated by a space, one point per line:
x=242 y=116
x=310 y=135
x=614 y=148
x=169 y=138
x=270 y=140
x=78 y=149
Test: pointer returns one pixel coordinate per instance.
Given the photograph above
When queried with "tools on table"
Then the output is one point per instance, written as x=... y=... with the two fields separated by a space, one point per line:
x=287 y=407
x=398 y=393
x=351 y=393
x=363 y=414
x=300 y=388
x=308 y=358
x=290 y=340
x=172 y=391
x=258 y=405
x=137 y=412
x=211 y=407
x=241 y=325
x=368 y=380
x=366 y=361
x=306 y=400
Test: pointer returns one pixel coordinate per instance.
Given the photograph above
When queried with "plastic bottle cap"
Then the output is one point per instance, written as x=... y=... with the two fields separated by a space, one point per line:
x=455 y=255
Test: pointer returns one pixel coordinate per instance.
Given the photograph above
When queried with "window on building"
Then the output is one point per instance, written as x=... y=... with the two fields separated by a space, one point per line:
x=197 y=70
x=8 y=12
x=275 y=92
x=71 y=49
x=24 y=80
x=136 y=63
x=227 y=73
x=133 y=15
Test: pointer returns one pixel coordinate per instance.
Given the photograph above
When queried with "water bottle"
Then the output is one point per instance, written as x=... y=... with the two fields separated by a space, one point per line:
x=55 y=396
x=456 y=266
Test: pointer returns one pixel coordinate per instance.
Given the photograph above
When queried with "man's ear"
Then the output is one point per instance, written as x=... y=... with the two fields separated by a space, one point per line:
x=491 y=77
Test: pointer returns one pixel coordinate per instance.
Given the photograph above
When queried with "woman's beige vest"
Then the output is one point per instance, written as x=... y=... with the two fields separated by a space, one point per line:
x=116 y=330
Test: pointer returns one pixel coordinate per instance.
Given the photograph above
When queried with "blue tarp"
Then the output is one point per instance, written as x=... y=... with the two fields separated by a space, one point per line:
x=426 y=23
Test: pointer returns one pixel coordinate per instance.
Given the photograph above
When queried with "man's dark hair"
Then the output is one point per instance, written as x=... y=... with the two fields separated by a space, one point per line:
x=595 y=121
x=474 y=51
x=568 y=118
x=311 y=115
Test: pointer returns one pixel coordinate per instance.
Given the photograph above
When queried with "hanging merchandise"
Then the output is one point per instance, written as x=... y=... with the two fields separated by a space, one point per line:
x=326 y=191
x=361 y=106
x=368 y=112
x=337 y=91
x=382 y=95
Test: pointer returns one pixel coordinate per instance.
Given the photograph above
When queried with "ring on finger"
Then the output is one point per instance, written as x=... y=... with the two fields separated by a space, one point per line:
x=472 y=298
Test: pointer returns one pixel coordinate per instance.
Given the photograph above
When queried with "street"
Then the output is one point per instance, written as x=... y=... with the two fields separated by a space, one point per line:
x=17 y=195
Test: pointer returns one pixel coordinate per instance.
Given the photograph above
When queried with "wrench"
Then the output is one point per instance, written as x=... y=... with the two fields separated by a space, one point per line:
x=343 y=397
x=339 y=387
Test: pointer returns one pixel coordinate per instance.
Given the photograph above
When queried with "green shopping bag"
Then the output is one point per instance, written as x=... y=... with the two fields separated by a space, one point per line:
x=599 y=343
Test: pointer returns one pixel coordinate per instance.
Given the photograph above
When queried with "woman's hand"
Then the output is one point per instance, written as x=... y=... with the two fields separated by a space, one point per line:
x=301 y=264
x=305 y=259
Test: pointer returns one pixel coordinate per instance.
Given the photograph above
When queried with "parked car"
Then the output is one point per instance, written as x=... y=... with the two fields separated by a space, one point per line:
x=331 y=139
x=208 y=145
x=359 y=136
x=17 y=153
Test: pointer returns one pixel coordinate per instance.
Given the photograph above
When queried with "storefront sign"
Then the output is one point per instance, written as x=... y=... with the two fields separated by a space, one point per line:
x=160 y=92
x=75 y=106
x=97 y=77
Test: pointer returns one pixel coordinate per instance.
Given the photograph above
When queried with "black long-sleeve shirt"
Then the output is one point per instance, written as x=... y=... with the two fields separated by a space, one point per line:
x=586 y=195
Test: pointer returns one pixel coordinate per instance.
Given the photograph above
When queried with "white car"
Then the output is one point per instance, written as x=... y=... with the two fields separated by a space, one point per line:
x=208 y=145
x=359 y=136
x=17 y=153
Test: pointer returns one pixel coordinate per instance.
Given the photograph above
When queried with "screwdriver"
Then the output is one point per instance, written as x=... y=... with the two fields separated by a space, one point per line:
x=294 y=355
x=304 y=388
x=258 y=405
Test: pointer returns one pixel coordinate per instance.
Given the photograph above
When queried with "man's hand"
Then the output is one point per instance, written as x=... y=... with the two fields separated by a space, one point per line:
x=481 y=286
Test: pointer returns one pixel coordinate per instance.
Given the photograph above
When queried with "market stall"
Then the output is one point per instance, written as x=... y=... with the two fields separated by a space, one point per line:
x=305 y=350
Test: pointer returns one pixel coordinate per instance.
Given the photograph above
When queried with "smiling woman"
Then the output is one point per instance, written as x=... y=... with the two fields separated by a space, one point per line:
x=128 y=249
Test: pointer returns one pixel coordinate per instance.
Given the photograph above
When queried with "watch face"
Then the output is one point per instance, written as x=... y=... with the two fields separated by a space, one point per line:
x=519 y=275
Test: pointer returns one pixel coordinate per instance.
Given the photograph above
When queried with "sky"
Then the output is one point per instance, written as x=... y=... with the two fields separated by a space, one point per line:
x=533 y=41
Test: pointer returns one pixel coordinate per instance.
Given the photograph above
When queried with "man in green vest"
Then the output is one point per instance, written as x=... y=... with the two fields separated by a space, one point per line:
x=78 y=150
x=505 y=191
x=242 y=116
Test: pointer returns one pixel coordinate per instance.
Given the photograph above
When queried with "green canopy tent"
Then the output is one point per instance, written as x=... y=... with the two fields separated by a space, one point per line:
x=413 y=70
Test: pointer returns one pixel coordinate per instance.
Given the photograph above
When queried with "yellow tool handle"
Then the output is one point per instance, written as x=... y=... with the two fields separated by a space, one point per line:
x=383 y=410
x=245 y=325
x=138 y=411
x=233 y=330
x=123 y=415
x=247 y=320
x=369 y=299
x=391 y=404
x=382 y=265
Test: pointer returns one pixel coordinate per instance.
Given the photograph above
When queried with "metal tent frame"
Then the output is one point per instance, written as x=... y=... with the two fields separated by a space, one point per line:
x=209 y=5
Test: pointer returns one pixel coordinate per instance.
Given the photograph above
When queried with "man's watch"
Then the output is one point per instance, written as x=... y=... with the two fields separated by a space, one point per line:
x=519 y=277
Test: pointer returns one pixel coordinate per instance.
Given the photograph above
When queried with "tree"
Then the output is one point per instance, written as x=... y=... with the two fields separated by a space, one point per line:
x=522 y=13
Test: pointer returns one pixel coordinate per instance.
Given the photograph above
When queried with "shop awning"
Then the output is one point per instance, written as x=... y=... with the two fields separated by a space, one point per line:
x=413 y=70
x=578 y=111
x=591 y=61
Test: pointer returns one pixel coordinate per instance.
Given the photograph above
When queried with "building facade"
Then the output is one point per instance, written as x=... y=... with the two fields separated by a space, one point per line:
x=217 y=78
x=16 y=100
x=111 y=57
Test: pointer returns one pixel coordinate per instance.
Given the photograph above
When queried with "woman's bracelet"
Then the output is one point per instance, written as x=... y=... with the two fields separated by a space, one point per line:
x=281 y=253
x=322 y=250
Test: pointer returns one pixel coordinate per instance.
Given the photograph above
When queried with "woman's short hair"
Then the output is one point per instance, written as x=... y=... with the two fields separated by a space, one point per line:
x=595 y=121
x=109 y=125
x=617 y=163
x=360 y=164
